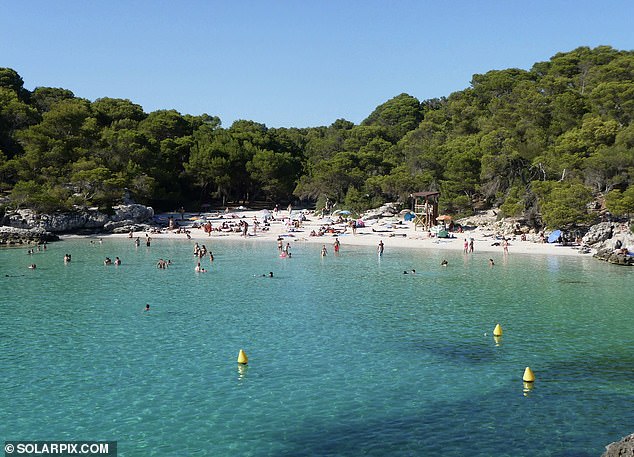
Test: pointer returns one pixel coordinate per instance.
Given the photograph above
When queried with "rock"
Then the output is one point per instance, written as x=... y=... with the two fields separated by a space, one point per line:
x=598 y=233
x=84 y=219
x=608 y=239
x=623 y=448
x=13 y=236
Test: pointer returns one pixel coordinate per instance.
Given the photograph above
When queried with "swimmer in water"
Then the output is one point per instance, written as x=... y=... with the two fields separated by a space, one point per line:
x=147 y=307
x=444 y=263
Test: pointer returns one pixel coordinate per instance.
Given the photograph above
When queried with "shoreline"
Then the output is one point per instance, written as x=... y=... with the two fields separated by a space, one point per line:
x=399 y=234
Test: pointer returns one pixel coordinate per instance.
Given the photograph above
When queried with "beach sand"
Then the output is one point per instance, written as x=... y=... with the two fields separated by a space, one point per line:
x=401 y=234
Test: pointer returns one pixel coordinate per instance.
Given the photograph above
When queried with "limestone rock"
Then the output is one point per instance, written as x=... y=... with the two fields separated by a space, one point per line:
x=623 y=448
x=84 y=219
x=13 y=236
x=598 y=233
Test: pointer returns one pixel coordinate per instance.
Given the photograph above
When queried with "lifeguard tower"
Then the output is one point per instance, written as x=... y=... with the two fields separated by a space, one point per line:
x=425 y=209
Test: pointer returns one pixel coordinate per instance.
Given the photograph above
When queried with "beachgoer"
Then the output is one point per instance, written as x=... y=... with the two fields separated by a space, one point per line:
x=32 y=266
x=470 y=244
x=505 y=244
x=466 y=246
x=287 y=249
x=324 y=251
x=280 y=244
x=380 y=248
x=147 y=307
x=444 y=263
x=336 y=244
x=199 y=269
x=107 y=261
x=137 y=242
x=117 y=261
x=491 y=263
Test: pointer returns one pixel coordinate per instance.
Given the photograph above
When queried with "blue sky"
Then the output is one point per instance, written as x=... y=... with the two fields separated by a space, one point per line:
x=290 y=63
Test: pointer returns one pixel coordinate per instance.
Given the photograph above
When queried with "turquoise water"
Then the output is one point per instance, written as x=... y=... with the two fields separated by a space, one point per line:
x=347 y=355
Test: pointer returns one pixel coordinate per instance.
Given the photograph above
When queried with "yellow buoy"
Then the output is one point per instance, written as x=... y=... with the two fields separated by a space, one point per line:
x=497 y=331
x=242 y=358
x=528 y=375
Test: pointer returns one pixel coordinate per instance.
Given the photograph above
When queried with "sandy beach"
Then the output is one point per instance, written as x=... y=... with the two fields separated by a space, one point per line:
x=394 y=232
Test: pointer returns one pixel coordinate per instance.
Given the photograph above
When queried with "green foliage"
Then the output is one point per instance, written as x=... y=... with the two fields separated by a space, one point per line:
x=563 y=204
x=620 y=203
x=538 y=143
x=515 y=202
x=44 y=198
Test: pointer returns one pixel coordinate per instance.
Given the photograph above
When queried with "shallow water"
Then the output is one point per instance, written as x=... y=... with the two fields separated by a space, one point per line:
x=347 y=355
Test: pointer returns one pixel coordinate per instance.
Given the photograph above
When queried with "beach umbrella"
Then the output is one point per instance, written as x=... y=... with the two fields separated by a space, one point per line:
x=342 y=211
x=554 y=236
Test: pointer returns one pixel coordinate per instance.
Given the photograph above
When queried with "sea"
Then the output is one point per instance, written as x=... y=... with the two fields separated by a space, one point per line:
x=348 y=355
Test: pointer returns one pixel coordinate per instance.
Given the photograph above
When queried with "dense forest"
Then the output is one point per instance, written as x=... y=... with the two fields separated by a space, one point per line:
x=554 y=145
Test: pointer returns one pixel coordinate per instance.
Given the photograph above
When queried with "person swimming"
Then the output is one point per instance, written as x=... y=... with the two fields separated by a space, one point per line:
x=444 y=263
x=147 y=307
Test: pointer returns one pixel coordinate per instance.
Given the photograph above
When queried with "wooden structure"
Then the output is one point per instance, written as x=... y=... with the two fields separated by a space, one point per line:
x=425 y=209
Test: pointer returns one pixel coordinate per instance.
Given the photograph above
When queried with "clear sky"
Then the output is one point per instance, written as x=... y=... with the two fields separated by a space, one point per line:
x=293 y=63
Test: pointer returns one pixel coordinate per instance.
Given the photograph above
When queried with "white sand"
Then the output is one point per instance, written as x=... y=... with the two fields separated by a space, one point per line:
x=400 y=235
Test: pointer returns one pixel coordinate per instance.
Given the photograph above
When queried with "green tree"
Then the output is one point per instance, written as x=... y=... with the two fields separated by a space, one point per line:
x=620 y=203
x=563 y=204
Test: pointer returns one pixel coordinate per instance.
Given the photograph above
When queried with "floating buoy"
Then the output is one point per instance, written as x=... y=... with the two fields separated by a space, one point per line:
x=528 y=375
x=497 y=331
x=242 y=358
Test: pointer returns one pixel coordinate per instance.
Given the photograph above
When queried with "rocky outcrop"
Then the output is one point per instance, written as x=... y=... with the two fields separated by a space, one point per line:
x=598 y=233
x=623 y=448
x=613 y=242
x=81 y=220
x=16 y=236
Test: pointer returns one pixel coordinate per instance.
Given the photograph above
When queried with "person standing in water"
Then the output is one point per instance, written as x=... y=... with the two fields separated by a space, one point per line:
x=380 y=248
x=336 y=244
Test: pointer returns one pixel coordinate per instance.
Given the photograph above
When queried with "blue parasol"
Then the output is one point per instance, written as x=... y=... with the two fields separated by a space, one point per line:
x=554 y=236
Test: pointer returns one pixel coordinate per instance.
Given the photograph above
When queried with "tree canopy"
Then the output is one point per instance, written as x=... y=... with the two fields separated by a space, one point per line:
x=539 y=143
